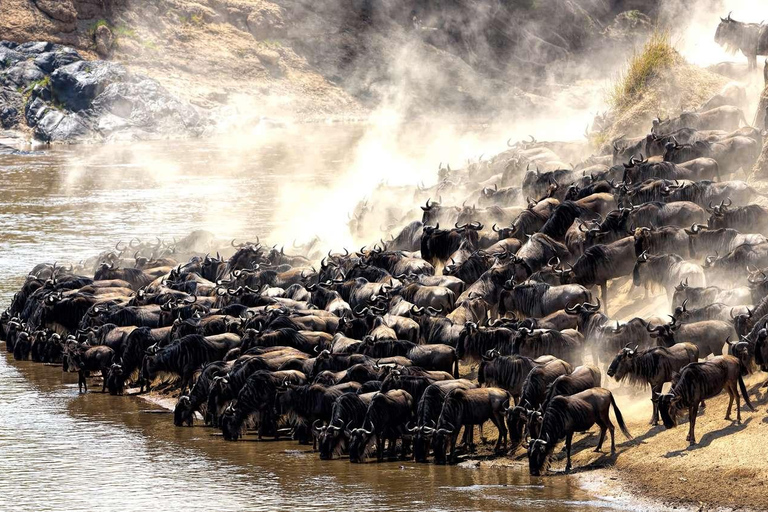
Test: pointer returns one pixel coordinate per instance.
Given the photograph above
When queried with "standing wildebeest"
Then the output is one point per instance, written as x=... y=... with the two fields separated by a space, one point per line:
x=700 y=381
x=666 y=270
x=137 y=278
x=567 y=344
x=730 y=154
x=540 y=299
x=705 y=241
x=186 y=356
x=93 y=359
x=387 y=415
x=752 y=218
x=185 y=409
x=428 y=413
x=701 y=297
x=437 y=244
x=652 y=367
x=348 y=413
x=601 y=263
x=568 y=414
x=469 y=407
x=583 y=378
x=720 y=118
x=750 y=38
x=709 y=336
x=534 y=394
x=507 y=372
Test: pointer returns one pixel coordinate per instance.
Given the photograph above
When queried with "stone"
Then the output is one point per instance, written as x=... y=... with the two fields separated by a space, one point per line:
x=10 y=106
x=60 y=10
x=61 y=56
x=77 y=84
x=105 y=41
x=22 y=74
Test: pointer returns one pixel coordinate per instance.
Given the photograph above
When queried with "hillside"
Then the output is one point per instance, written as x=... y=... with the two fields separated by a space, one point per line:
x=318 y=59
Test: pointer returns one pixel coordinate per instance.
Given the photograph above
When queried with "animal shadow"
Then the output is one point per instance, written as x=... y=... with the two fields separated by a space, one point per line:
x=708 y=437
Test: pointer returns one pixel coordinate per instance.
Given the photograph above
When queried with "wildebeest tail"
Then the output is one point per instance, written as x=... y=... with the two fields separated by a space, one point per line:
x=620 y=419
x=744 y=393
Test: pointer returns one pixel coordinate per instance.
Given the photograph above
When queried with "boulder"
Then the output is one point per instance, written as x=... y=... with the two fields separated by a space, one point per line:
x=77 y=84
x=10 y=107
x=61 y=11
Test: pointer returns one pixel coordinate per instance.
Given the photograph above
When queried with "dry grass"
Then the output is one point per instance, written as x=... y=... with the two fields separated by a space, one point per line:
x=657 y=82
x=657 y=55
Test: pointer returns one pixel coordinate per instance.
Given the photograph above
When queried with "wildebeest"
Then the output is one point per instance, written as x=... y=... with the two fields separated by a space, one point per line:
x=387 y=415
x=700 y=381
x=750 y=38
x=533 y=395
x=188 y=355
x=428 y=413
x=709 y=336
x=652 y=367
x=583 y=378
x=507 y=372
x=469 y=407
x=91 y=359
x=752 y=218
x=196 y=400
x=666 y=270
x=348 y=413
x=720 y=118
x=567 y=344
x=540 y=299
x=569 y=414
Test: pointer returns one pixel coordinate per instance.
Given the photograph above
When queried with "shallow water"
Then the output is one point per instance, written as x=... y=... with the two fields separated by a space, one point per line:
x=66 y=451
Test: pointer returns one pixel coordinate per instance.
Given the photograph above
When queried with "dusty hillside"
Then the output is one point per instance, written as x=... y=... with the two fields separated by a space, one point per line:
x=311 y=59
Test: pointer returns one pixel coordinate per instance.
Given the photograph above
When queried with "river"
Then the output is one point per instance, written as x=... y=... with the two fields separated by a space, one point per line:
x=66 y=451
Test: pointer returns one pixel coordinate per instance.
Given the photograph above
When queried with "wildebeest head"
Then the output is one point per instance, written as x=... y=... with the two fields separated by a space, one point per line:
x=619 y=366
x=670 y=407
x=743 y=322
x=637 y=271
x=183 y=413
x=360 y=442
x=328 y=437
x=664 y=333
x=729 y=33
x=517 y=420
x=231 y=426
x=116 y=379
x=539 y=452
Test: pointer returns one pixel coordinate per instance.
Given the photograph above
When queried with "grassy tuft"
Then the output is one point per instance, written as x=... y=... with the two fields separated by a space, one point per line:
x=657 y=54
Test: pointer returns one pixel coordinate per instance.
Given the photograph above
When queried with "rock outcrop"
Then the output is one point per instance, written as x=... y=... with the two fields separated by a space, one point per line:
x=64 y=98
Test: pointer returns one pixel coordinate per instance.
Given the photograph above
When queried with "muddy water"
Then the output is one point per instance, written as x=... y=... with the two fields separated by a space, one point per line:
x=63 y=451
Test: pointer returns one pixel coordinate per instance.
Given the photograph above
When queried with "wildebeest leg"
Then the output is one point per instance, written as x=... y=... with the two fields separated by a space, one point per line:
x=405 y=449
x=499 y=424
x=82 y=384
x=692 y=412
x=604 y=288
x=568 y=439
x=104 y=380
x=380 y=448
x=654 y=391
x=730 y=402
x=452 y=456
x=600 y=441
x=482 y=436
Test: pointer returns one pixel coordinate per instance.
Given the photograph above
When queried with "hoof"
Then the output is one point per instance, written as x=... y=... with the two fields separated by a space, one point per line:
x=597 y=450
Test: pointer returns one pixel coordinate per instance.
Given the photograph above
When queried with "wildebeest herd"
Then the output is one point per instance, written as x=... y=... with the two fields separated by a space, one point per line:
x=507 y=273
